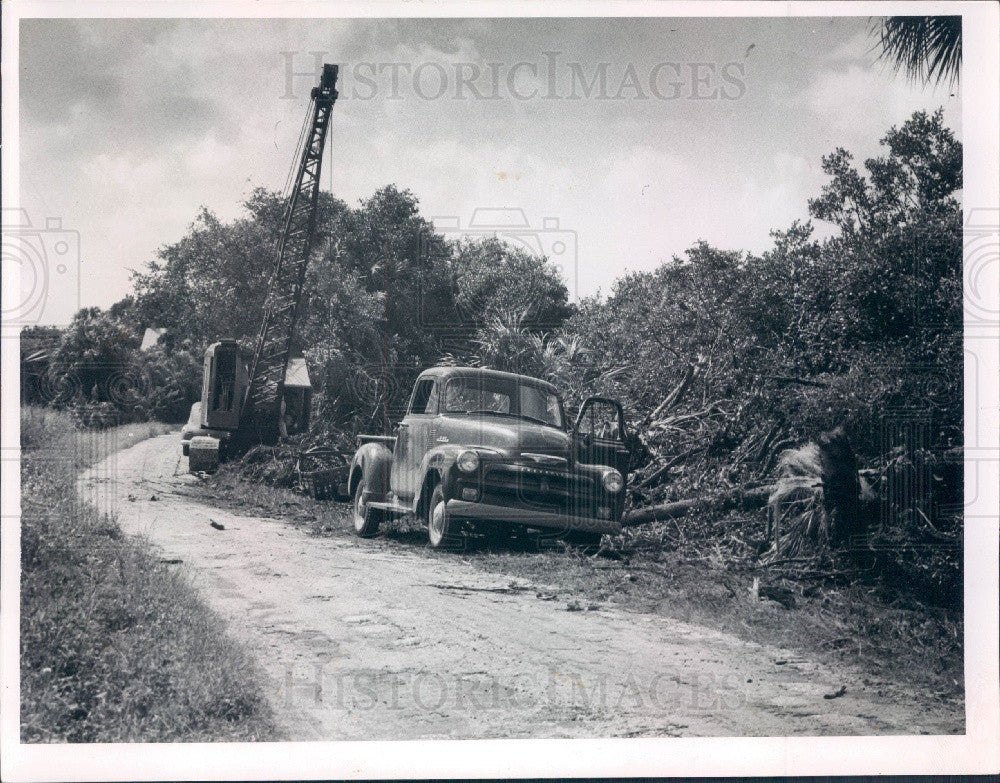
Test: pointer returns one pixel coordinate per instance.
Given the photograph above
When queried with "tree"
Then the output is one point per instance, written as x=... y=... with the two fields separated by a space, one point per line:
x=898 y=257
x=764 y=351
x=925 y=47
x=504 y=343
x=38 y=344
x=380 y=243
x=212 y=282
x=161 y=383
x=370 y=296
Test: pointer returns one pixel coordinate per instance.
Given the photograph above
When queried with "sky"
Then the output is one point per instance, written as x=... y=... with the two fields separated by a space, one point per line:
x=608 y=144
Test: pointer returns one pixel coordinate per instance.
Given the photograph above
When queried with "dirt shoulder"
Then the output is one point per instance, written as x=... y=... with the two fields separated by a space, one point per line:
x=379 y=640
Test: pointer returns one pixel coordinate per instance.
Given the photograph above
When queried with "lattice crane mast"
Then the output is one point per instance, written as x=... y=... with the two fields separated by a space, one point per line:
x=242 y=400
x=262 y=405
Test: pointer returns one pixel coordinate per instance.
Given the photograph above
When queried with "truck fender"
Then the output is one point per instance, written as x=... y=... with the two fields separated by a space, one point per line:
x=435 y=466
x=373 y=461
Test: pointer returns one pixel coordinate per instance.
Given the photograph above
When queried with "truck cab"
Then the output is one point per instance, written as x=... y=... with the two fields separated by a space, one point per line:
x=488 y=450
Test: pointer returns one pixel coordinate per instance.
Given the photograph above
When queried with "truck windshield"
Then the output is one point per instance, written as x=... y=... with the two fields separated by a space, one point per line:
x=503 y=397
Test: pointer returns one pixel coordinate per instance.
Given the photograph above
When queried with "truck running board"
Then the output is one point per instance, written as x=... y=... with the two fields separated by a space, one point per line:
x=390 y=508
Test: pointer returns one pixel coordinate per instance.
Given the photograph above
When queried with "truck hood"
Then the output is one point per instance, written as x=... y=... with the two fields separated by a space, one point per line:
x=512 y=437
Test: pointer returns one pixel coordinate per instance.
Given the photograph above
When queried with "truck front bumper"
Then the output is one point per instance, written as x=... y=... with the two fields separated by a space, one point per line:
x=464 y=509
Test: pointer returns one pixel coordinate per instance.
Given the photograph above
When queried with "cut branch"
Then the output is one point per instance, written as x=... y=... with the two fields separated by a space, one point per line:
x=670 y=463
x=671 y=421
x=676 y=396
x=799 y=381
x=744 y=498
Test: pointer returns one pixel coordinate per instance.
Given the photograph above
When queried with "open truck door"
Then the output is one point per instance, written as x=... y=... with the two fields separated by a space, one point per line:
x=599 y=434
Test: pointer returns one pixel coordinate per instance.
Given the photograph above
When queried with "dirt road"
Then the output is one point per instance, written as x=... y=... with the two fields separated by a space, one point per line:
x=373 y=640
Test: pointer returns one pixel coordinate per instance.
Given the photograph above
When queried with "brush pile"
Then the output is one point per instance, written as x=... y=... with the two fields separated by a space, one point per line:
x=820 y=516
x=281 y=464
x=271 y=465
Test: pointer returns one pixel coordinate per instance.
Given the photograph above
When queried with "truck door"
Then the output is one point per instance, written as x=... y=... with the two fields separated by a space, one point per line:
x=599 y=434
x=413 y=439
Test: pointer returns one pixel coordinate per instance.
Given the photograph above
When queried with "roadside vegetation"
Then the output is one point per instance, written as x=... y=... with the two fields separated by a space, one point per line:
x=115 y=644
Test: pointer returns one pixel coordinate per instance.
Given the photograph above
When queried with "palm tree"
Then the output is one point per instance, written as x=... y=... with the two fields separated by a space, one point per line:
x=926 y=47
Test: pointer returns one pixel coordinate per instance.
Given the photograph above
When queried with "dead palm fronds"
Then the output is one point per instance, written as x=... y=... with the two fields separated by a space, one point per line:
x=816 y=497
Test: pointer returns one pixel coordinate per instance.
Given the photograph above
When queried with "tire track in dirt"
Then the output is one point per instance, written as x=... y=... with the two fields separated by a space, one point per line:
x=368 y=639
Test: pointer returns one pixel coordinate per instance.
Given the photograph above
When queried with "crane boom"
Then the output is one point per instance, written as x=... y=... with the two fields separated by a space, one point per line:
x=261 y=408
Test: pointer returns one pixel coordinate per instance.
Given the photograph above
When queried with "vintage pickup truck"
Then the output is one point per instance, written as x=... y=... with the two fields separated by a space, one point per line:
x=491 y=452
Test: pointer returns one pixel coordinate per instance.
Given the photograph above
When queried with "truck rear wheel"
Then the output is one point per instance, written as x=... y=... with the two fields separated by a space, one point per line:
x=366 y=520
x=442 y=528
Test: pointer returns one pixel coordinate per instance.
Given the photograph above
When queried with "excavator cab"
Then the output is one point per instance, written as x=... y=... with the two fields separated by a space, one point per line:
x=223 y=393
x=223 y=387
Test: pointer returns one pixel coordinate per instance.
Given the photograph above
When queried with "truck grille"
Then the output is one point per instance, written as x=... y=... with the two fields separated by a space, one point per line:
x=545 y=488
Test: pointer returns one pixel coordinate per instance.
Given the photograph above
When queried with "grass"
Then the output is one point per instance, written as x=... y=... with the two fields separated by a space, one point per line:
x=890 y=637
x=116 y=646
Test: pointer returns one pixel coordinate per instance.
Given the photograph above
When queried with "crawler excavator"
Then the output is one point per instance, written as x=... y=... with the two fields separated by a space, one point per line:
x=249 y=398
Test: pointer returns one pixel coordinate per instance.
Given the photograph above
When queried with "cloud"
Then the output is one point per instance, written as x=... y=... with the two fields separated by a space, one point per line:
x=861 y=48
x=857 y=105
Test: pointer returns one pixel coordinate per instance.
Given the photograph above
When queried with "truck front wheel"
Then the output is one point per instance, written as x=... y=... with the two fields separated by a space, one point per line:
x=442 y=529
x=366 y=520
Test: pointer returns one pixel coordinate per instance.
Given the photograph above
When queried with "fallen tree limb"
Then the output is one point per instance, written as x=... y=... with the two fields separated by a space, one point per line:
x=737 y=498
x=670 y=463
x=671 y=421
x=675 y=396
x=798 y=381
x=783 y=561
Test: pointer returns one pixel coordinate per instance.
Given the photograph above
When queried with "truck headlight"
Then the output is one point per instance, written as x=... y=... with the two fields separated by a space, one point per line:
x=613 y=481
x=468 y=461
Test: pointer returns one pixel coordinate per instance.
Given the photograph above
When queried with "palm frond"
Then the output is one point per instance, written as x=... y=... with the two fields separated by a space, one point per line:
x=925 y=47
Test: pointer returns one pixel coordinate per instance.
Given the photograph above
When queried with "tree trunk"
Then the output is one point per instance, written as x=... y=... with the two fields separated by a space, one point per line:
x=746 y=499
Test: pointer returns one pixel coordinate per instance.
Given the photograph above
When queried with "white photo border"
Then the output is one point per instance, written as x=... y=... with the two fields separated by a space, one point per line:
x=977 y=751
